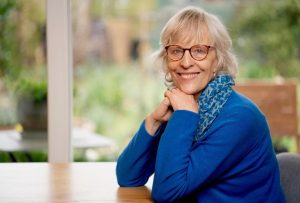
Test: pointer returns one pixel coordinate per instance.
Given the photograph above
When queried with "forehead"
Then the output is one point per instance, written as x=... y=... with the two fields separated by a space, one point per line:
x=190 y=36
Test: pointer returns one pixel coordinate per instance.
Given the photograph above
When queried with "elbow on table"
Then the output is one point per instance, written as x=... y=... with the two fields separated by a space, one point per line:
x=125 y=181
x=128 y=183
x=122 y=182
x=127 y=178
x=122 y=179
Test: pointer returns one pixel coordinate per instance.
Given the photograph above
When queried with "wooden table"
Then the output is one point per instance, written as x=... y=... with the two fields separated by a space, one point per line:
x=63 y=183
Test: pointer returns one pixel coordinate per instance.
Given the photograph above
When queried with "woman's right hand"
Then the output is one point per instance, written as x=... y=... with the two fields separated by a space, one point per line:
x=161 y=114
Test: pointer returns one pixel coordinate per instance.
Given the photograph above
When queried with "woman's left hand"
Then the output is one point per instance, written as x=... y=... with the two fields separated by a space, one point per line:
x=182 y=101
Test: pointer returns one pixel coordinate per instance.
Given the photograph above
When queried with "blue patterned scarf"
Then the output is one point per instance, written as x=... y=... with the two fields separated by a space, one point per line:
x=212 y=100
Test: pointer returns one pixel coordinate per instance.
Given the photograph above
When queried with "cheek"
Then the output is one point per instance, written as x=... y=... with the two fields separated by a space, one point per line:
x=171 y=67
x=212 y=66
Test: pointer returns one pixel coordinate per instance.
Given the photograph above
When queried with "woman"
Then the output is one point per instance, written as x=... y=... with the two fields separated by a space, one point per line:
x=204 y=142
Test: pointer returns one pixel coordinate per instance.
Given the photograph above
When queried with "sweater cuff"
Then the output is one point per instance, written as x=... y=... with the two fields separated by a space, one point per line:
x=143 y=132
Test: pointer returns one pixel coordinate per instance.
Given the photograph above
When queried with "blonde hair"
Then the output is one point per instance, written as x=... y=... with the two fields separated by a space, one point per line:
x=192 y=23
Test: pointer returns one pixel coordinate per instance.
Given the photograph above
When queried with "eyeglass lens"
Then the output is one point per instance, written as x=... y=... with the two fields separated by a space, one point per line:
x=198 y=52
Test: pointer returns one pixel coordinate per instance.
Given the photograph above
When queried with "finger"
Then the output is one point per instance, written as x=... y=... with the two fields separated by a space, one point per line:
x=166 y=101
x=167 y=116
x=175 y=90
x=172 y=87
x=178 y=91
x=168 y=93
x=164 y=105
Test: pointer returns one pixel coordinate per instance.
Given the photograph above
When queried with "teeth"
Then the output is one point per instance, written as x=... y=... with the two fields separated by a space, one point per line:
x=188 y=75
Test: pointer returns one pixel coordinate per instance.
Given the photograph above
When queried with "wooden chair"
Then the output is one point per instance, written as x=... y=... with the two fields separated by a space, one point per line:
x=278 y=101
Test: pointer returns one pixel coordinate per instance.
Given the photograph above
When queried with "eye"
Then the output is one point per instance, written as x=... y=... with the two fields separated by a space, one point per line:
x=176 y=50
x=199 y=50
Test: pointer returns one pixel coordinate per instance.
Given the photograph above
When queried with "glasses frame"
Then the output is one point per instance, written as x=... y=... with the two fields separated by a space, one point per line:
x=189 y=49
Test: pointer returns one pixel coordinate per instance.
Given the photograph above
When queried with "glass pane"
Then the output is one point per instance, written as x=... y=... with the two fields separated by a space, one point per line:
x=23 y=85
x=116 y=83
x=114 y=87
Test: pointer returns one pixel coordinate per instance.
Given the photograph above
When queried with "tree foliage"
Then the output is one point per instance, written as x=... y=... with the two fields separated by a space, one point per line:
x=21 y=36
x=268 y=31
x=8 y=46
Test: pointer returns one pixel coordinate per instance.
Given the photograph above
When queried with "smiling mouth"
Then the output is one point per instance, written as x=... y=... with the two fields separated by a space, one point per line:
x=188 y=75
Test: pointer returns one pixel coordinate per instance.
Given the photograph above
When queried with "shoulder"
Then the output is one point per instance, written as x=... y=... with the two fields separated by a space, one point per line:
x=240 y=122
x=240 y=110
x=243 y=105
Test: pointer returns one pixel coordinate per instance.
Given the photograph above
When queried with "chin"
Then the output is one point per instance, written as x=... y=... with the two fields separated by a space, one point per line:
x=190 y=91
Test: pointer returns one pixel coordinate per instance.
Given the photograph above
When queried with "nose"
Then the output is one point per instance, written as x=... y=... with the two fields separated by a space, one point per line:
x=187 y=60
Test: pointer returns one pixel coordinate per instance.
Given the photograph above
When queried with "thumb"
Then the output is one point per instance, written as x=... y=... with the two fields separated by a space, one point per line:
x=163 y=107
x=166 y=101
x=167 y=116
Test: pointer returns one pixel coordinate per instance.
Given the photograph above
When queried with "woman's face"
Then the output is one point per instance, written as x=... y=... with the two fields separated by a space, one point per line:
x=189 y=75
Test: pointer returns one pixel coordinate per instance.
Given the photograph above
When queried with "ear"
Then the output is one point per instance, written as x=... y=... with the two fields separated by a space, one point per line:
x=168 y=77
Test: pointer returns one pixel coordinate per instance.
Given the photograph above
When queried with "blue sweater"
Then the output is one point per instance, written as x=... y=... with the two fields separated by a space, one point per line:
x=233 y=162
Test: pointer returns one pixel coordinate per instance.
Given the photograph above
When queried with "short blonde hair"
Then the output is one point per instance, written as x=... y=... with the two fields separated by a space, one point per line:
x=192 y=23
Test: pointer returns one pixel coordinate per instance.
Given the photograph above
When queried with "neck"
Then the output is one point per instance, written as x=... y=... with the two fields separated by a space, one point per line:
x=196 y=96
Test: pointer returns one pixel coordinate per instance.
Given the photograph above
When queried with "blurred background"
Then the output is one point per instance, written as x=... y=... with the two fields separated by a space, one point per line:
x=116 y=83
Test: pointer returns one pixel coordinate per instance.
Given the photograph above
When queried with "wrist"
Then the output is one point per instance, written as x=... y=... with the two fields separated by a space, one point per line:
x=152 y=125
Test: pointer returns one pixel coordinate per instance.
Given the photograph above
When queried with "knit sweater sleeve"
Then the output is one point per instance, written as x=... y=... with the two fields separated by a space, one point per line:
x=182 y=168
x=136 y=163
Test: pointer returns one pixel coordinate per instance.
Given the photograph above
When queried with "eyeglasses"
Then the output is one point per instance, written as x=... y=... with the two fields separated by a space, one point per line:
x=197 y=52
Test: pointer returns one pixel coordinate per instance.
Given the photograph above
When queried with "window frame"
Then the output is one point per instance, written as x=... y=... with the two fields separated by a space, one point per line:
x=59 y=63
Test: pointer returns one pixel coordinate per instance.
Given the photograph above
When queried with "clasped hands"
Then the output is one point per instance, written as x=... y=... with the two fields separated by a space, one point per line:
x=174 y=100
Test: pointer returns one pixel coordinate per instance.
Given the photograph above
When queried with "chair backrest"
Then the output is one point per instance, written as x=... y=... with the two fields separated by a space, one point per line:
x=278 y=101
x=289 y=165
